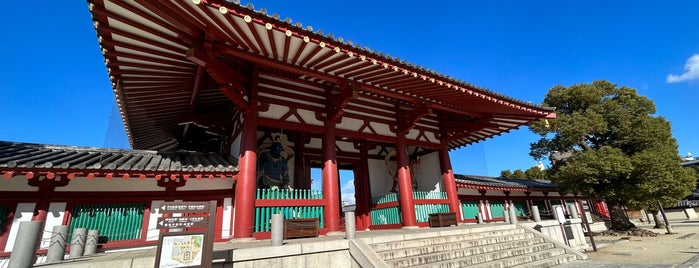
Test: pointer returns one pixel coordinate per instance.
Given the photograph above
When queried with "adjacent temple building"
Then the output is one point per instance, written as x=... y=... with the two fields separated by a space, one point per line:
x=227 y=103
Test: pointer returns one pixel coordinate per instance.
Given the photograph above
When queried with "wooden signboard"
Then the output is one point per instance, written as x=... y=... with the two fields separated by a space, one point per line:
x=188 y=248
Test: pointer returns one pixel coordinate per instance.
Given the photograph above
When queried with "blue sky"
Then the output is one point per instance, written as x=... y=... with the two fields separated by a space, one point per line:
x=54 y=87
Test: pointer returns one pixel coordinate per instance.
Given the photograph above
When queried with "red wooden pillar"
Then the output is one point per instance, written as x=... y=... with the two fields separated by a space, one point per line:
x=449 y=181
x=405 y=185
x=331 y=184
x=246 y=182
x=363 y=189
x=42 y=206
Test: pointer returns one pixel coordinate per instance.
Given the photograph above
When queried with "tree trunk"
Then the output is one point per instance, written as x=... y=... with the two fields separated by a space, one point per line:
x=658 y=219
x=620 y=221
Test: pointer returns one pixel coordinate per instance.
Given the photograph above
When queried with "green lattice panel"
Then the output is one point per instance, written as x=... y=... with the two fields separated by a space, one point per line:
x=114 y=221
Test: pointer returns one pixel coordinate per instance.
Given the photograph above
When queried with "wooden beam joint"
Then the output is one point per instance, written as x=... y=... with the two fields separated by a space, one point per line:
x=407 y=118
x=336 y=102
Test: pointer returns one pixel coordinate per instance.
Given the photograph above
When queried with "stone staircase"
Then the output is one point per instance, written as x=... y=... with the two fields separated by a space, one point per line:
x=489 y=246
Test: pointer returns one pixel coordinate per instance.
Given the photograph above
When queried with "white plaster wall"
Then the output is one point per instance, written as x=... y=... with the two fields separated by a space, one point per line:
x=16 y=183
x=346 y=146
x=98 y=184
x=428 y=173
x=514 y=193
x=350 y=124
x=315 y=143
x=54 y=217
x=379 y=179
x=381 y=129
x=275 y=111
x=153 y=232
x=309 y=117
x=465 y=191
x=494 y=193
x=227 y=207
x=23 y=212
x=207 y=184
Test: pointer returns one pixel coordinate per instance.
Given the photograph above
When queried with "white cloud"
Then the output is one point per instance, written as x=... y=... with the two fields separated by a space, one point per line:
x=348 y=192
x=691 y=71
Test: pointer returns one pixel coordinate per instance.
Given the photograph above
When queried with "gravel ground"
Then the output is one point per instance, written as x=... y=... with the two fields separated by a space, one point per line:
x=664 y=249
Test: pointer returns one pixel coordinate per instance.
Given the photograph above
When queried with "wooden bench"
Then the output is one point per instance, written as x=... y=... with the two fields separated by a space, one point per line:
x=297 y=228
x=442 y=219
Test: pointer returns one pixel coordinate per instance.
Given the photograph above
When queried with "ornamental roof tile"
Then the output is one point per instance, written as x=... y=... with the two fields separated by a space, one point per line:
x=502 y=182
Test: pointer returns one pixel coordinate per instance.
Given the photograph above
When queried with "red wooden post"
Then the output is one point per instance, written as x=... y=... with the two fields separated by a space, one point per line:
x=331 y=183
x=449 y=182
x=363 y=189
x=246 y=184
x=405 y=185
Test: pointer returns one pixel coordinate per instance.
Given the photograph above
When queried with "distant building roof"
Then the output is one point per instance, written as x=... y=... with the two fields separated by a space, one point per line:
x=17 y=157
x=692 y=163
x=493 y=183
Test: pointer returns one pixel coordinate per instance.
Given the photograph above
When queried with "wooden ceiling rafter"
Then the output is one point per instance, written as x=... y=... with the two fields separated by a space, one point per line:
x=223 y=35
x=332 y=58
x=184 y=33
x=347 y=65
x=286 y=51
x=137 y=38
x=256 y=36
x=141 y=27
x=234 y=90
x=173 y=17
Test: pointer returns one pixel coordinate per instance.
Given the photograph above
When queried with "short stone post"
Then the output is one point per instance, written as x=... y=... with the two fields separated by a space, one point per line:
x=480 y=217
x=91 y=244
x=572 y=208
x=59 y=239
x=277 y=229
x=350 y=226
x=24 y=249
x=535 y=213
x=77 y=243
x=513 y=215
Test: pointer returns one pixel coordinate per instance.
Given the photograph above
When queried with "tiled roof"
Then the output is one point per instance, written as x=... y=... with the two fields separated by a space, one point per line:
x=16 y=156
x=690 y=163
x=501 y=183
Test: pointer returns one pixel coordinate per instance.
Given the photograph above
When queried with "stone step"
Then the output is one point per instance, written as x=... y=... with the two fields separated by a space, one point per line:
x=459 y=258
x=549 y=262
x=474 y=246
x=545 y=258
x=426 y=241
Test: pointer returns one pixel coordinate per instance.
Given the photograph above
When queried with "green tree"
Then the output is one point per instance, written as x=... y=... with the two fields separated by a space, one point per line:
x=506 y=174
x=614 y=148
x=535 y=173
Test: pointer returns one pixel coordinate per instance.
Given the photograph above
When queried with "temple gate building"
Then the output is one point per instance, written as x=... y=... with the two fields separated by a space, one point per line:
x=227 y=103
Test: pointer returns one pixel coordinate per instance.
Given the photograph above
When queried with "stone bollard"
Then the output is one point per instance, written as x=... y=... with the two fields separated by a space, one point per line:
x=350 y=226
x=513 y=215
x=480 y=217
x=535 y=213
x=277 y=229
x=77 y=243
x=24 y=249
x=506 y=214
x=91 y=244
x=572 y=208
x=57 y=248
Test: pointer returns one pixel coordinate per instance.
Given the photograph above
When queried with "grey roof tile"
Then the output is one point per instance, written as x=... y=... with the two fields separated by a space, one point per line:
x=29 y=155
x=502 y=182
